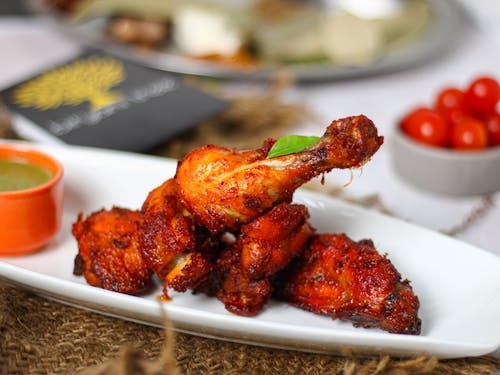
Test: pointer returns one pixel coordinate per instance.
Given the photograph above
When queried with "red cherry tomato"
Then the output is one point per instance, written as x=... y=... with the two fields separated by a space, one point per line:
x=450 y=102
x=449 y=98
x=482 y=95
x=469 y=134
x=426 y=126
x=493 y=128
x=405 y=121
x=454 y=115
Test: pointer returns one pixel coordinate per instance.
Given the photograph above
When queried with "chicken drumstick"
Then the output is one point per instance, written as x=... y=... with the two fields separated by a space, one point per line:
x=226 y=188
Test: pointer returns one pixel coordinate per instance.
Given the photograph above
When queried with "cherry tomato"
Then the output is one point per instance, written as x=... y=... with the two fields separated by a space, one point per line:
x=450 y=98
x=450 y=103
x=454 y=115
x=426 y=126
x=406 y=119
x=493 y=128
x=469 y=134
x=482 y=95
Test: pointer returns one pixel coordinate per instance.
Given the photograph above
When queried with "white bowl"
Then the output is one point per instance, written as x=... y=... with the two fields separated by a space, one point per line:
x=446 y=171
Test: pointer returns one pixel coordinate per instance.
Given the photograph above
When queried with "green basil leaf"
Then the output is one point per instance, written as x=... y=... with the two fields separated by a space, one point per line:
x=291 y=144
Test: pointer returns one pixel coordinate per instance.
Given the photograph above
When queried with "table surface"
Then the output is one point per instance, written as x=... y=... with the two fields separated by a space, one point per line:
x=29 y=45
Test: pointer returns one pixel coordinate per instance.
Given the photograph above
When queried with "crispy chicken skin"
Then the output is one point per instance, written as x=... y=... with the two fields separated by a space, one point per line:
x=272 y=240
x=242 y=295
x=172 y=245
x=263 y=247
x=167 y=228
x=211 y=167
x=187 y=271
x=350 y=280
x=108 y=254
x=225 y=188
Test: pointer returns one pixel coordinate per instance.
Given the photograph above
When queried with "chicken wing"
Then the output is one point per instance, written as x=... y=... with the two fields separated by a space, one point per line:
x=108 y=250
x=167 y=228
x=187 y=271
x=239 y=293
x=173 y=246
x=272 y=240
x=263 y=247
x=225 y=188
x=242 y=295
x=350 y=280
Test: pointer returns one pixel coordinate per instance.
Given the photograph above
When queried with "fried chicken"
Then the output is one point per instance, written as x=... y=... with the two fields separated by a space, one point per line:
x=226 y=188
x=173 y=246
x=350 y=280
x=242 y=295
x=181 y=234
x=272 y=240
x=167 y=228
x=263 y=247
x=108 y=250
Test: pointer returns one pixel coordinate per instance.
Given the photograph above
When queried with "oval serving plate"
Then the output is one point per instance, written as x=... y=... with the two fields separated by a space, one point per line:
x=436 y=40
x=458 y=284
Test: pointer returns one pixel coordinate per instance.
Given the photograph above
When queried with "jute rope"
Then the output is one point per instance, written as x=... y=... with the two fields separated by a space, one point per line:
x=374 y=201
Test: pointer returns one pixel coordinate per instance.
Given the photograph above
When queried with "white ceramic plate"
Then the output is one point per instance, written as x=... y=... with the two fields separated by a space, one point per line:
x=458 y=284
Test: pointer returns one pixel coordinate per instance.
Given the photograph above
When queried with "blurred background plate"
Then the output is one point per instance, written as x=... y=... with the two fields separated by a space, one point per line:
x=439 y=35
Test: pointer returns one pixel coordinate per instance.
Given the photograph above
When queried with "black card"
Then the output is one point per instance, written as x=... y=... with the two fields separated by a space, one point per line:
x=103 y=101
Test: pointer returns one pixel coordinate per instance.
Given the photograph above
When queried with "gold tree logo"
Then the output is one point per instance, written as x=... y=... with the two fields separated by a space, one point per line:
x=83 y=80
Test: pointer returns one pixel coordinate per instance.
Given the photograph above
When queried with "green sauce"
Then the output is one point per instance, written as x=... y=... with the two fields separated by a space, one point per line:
x=19 y=176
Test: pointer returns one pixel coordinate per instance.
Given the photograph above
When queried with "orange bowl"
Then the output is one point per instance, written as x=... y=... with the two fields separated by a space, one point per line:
x=30 y=217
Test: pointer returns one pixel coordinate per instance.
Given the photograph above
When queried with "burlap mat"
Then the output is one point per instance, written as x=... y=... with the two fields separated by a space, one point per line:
x=44 y=337
x=39 y=336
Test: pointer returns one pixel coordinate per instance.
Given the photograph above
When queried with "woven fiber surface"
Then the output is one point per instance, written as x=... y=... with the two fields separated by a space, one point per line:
x=45 y=337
